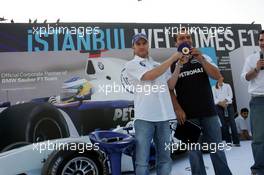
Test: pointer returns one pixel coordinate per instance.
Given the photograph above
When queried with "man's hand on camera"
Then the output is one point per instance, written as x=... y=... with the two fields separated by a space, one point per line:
x=197 y=54
x=176 y=56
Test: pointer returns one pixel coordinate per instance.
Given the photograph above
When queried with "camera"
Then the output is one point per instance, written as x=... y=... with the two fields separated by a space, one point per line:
x=184 y=48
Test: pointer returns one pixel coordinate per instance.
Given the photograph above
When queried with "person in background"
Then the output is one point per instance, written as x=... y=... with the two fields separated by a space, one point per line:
x=243 y=124
x=223 y=96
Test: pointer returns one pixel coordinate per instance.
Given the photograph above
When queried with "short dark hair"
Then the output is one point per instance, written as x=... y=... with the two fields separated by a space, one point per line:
x=176 y=34
x=244 y=110
x=261 y=32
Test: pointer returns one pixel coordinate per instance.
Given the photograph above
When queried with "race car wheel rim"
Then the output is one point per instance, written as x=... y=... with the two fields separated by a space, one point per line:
x=80 y=166
x=46 y=129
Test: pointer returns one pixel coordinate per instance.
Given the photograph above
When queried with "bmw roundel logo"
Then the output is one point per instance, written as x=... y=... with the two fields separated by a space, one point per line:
x=100 y=65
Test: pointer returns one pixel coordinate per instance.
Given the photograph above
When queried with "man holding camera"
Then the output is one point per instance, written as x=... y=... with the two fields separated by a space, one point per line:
x=253 y=73
x=194 y=101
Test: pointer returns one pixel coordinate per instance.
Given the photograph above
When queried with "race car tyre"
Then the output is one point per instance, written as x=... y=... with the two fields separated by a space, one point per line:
x=31 y=122
x=69 y=162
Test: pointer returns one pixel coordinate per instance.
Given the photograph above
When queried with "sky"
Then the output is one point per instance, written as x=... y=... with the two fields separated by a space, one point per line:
x=140 y=11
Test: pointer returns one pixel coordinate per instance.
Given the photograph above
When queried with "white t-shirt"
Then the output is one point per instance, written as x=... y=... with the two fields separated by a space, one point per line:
x=256 y=85
x=243 y=124
x=222 y=93
x=151 y=98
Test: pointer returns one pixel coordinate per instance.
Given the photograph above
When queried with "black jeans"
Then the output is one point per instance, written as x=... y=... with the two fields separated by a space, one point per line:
x=227 y=122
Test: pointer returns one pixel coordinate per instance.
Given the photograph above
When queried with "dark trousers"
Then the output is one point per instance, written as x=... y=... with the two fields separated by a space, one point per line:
x=257 y=121
x=228 y=122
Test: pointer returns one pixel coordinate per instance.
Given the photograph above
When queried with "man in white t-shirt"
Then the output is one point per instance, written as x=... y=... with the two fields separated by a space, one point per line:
x=243 y=125
x=153 y=106
x=253 y=72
